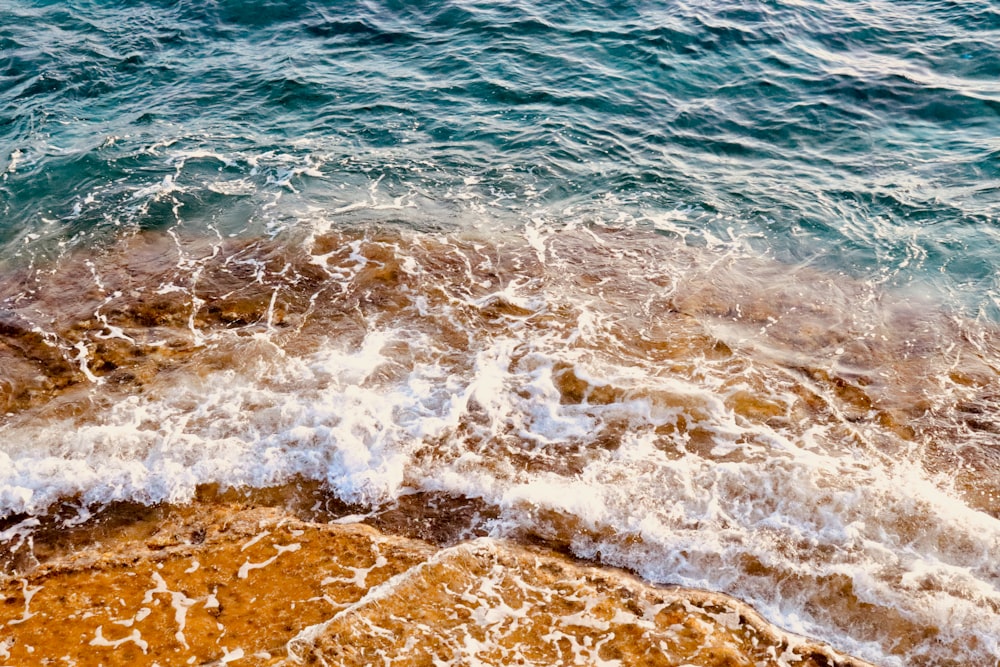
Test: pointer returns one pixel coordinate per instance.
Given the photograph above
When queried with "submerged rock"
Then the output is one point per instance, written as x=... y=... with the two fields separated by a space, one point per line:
x=219 y=584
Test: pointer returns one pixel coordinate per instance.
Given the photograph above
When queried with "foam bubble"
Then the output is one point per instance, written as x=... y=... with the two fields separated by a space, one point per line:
x=604 y=389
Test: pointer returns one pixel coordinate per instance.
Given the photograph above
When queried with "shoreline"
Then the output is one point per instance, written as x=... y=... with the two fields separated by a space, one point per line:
x=222 y=582
x=602 y=392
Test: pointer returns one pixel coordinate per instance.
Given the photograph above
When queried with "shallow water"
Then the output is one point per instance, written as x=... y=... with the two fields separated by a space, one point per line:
x=708 y=292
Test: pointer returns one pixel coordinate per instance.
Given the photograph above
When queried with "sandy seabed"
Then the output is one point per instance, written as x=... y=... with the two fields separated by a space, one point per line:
x=222 y=581
x=504 y=372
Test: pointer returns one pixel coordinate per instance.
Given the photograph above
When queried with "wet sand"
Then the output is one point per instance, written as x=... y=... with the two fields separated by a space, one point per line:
x=728 y=422
x=220 y=582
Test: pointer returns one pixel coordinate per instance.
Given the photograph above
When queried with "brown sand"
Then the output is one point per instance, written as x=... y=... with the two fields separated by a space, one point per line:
x=219 y=583
x=71 y=346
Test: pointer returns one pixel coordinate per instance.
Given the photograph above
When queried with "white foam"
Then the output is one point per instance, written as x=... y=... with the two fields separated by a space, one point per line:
x=82 y=358
x=359 y=578
x=255 y=539
x=231 y=656
x=135 y=637
x=15 y=160
x=178 y=600
x=19 y=534
x=233 y=188
x=28 y=593
x=247 y=566
x=158 y=190
x=687 y=492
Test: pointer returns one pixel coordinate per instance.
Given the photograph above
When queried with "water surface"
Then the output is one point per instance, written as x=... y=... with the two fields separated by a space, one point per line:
x=705 y=290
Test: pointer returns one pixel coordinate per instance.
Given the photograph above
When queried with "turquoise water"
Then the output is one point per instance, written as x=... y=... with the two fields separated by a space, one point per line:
x=705 y=290
x=854 y=137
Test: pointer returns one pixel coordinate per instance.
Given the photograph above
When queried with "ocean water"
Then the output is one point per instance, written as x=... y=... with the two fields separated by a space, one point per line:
x=705 y=290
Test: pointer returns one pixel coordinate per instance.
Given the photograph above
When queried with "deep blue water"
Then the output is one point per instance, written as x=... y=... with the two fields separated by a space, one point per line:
x=857 y=137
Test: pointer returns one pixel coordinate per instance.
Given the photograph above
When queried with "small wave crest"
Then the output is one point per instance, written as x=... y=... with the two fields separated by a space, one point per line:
x=804 y=442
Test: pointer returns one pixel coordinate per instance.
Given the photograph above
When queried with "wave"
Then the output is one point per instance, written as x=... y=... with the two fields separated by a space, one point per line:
x=797 y=439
